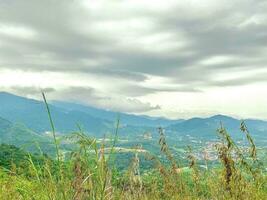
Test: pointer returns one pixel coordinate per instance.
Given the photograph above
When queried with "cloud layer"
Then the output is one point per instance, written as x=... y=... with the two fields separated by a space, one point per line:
x=133 y=55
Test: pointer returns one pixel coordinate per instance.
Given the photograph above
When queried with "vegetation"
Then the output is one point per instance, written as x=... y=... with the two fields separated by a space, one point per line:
x=19 y=135
x=90 y=172
x=13 y=158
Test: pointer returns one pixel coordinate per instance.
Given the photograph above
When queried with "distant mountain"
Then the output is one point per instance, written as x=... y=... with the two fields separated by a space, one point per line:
x=206 y=127
x=98 y=122
x=33 y=114
x=66 y=116
x=127 y=119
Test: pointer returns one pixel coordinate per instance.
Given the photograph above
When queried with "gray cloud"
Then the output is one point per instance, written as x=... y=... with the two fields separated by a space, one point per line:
x=241 y=81
x=90 y=96
x=87 y=96
x=136 y=90
x=130 y=42
x=31 y=90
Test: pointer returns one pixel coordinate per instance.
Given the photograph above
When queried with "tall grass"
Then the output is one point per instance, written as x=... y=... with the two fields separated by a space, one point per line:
x=90 y=173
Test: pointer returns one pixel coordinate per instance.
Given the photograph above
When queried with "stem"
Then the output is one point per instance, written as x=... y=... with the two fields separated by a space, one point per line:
x=53 y=127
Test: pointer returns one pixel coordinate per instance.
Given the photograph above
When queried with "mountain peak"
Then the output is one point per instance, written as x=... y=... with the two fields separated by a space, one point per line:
x=6 y=96
x=10 y=95
x=222 y=117
x=6 y=93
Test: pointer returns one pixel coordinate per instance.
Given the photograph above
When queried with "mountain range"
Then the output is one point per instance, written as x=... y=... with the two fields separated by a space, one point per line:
x=67 y=116
x=206 y=127
x=28 y=119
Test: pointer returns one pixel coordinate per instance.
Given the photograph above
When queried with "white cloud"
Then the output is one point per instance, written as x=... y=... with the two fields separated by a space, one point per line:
x=16 y=31
x=136 y=54
x=216 y=60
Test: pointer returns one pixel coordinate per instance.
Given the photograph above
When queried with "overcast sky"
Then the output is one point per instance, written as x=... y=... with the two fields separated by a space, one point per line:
x=169 y=58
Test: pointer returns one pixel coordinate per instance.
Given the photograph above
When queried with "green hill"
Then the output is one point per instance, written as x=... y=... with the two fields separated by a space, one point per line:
x=33 y=114
x=21 y=136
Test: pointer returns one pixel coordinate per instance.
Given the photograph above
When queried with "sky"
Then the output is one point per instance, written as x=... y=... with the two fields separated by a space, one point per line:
x=177 y=59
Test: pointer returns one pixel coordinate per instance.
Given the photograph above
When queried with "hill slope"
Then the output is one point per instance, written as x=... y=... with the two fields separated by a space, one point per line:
x=33 y=114
x=20 y=135
x=98 y=122
x=206 y=127
x=128 y=119
x=66 y=116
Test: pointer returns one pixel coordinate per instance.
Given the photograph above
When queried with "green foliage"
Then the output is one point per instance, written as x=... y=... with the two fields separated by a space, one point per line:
x=15 y=159
x=90 y=172
x=19 y=135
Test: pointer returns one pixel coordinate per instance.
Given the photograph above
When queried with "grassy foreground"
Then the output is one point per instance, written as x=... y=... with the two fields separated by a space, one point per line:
x=90 y=173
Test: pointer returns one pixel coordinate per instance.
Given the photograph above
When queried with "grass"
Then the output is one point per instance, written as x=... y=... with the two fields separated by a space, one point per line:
x=91 y=173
